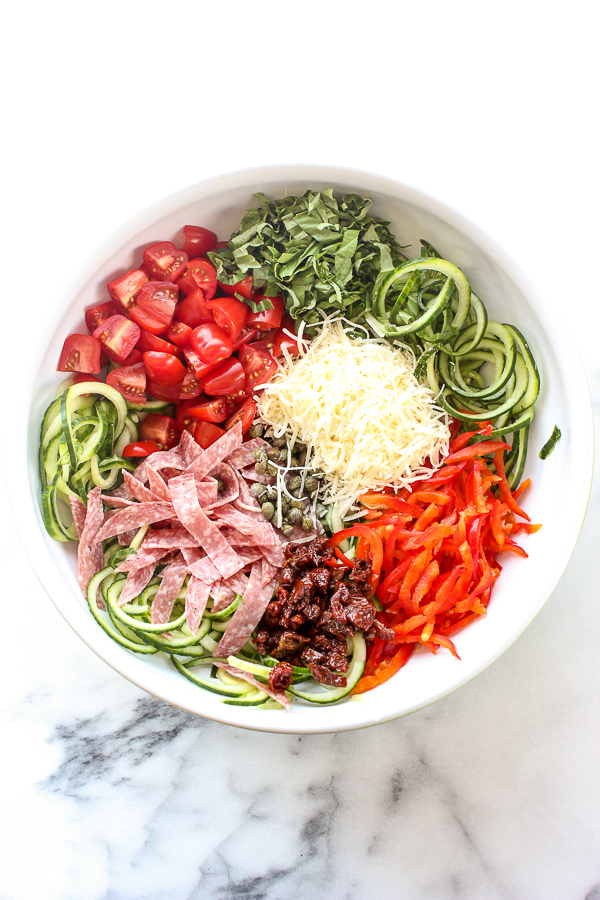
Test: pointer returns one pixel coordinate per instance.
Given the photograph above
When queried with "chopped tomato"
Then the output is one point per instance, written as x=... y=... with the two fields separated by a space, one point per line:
x=183 y=415
x=243 y=288
x=283 y=339
x=170 y=394
x=148 y=342
x=162 y=429
x=118 y=337
x=164 y=368
x=191 y=386
x=205 y=433
x=96 y=315
x=158 y=298
x=245 y=414
x=244 y=337
x=179 y=333
x=211 y=343
x=193 y=310
x=124 y=290
x=230 y=314
x=258 y=364
x=199 y=275
x=81 y=378
x=195 y=363
x=129 y=381
x=198 y=241
x=140 y=449
x=146 y=320
x=269 y=318
x=226 y=380
x=80 y=353
x=134 y=357
x=210 y=410
x=164 y=261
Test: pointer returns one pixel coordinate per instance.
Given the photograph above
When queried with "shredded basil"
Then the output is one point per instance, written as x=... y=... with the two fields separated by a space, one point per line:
x=551 y=443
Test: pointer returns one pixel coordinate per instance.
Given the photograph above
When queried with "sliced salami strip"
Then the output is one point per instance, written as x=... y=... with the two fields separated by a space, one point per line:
x=135 y=583
x=250 y=474
x=196 y=598
x=143 y=558
x=134 y=517
x=244 y=455
x=79 y=512
x=173 y=577
x=117 y=502
x=246 y=500
x=279 y=696
x=223 y=592
x=173 y=538
x=156 y=483
x=200 y=566
x=90 y=558
x=274 y=555
x=121 y=491
x=229 y=479
x=138 y=490
x=268 y=572
x=208 y=492
x=162 y=459
x=217 y=452
x=262 y=531
x=192 y=517
x=125 y=537
x=188 y=448
x=249 y=555
x=247 y=615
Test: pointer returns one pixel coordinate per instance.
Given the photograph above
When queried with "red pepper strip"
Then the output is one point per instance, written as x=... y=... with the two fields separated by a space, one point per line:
x=388 y=554
x=444 y=598
x=522 y=488
x=385 y=670
x=481 y=449
x=505 y=489
x=373 y=500
x=409 y=625
x=371 y=535
x=344 y=559
x=431 y=497
x=392 y=579
x=444 y=475
x=417 y=567
x=424 y=583
x=474 y=541
x=496 y=524
x=429 y=514
x=443 y=641
x=514 y=548
x=459 y=442
x=427 y=538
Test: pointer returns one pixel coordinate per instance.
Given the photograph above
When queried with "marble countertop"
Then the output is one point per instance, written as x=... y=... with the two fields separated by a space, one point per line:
x=492 y=793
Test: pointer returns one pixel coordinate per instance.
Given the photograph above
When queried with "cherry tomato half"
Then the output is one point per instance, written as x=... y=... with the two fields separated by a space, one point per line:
x=146 y=320
x=243 y=288
x=164 y=368
x=163 y=392
x=205 y=433
x=269 y=318
x=244 y=337
x=129 y=381
x=191 y=386
x=198 y=241
x=158 y=298
x=140 y=448
x=125 y=289
x=193 y=310
x=134 y=357
x=230 y=314
x=80 y=353
x=211 y=343
x=227 y=379
x=164 y=261
x=284 y=340
x=210 y=410
x=179 y=333
x=258 y=364
x=148 y=342
x=199 y=275
x=96 y=315
x=118 y=337
x=245 y=414
x=162 y=429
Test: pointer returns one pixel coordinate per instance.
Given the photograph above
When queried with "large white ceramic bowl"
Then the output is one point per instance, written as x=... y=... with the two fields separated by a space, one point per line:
x=558 y=497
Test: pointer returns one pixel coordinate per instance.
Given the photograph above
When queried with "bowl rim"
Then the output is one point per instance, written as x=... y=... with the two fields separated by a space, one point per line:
x=16 y=457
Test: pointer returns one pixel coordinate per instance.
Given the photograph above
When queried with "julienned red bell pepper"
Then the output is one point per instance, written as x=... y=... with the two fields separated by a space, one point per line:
x=435 y=551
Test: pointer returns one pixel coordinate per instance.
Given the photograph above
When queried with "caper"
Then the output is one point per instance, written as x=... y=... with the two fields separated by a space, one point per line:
x=294 y=462
x=283 y=455
x=302 y=458
x=261 y=468
x=271 y=492
x=295 y=483
x=295 y=516
x=273 y=454
x=311 y=483
x=260 y=455
x=271 y=469
x=220 y=485
x=307 y=523
x=297 y=504
x=256 y=430
x=257 y=489
x=269 y=434
x=320 y=511
x=286 y=528
x=279 y=442
x=285 y=503
x=268 y=510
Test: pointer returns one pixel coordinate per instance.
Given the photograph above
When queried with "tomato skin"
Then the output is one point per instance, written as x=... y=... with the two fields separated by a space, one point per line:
x=245 y=414
x=164 y=368
x=140 y=449
x=227 y=379
x=80 y=353
x=211 y=343
x=244 y=287
x=230 y=314
x=162 y=392
x=129 y=381
x=125 y=289
x=179 y=333
x=258 y=364
x=146 y=321
x=199 y=275
x=183 y=416
x=198 y=241
x=148 y=342
x=164 y=261
x=205 y=433
x=164 y=430
x=81 y=378
x=270 y=318
x=244 y=337
x=191 y=386
x=210 y=410
x=158 y=299
x=284 y=340
x=194 y=362
x=118 y=337
x=193 y=310
x=96 y=315
x=134 y=357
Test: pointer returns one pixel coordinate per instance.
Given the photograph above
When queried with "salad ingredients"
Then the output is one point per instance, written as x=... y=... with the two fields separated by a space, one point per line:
x=551 y=443
x=358 y=407
x=80 y=353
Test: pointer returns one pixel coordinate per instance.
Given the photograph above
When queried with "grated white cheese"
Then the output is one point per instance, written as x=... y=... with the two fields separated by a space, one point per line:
x=366 y=420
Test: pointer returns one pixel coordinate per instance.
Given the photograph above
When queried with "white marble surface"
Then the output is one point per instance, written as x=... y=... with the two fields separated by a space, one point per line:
x=493 y=792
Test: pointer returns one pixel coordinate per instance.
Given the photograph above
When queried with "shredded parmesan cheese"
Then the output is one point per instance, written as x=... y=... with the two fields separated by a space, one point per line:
x=366 y=420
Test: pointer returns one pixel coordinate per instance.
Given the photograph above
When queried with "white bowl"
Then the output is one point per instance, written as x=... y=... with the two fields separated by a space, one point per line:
x=558 y=497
